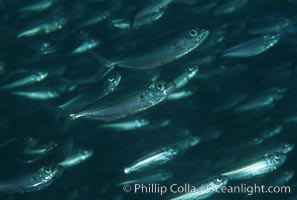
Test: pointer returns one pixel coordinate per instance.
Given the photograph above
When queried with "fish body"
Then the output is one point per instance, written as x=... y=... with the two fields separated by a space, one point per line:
x=162 y=50
x=152 y=11
x=253 y=47
x=206 y=189
x=128 y=103
x=31 y=181
x=154 y=159
x=266 y=164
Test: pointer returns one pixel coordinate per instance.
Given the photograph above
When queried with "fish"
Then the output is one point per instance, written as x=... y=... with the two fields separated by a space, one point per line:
x=31 y=181
x=129 y=103
x=266 y=135
x=87 y=45
x=48 y=91
x=43 y=48
x=155 y=177
x=98 y=91
x=76 y=157
x=38 y=6
x=187 y=143
x=182 y=94
x=121 y=23
x=252 y=47
x=183 y=79
x=229 y=6
x=266 y=99
x=38 y=94
x=153 y=159
x=44 y=28
x=27 y=79
x=126 y=125
x=100 y=16
x=266 y=164
x=151 y=12
x=162 y=50
x=206 y=189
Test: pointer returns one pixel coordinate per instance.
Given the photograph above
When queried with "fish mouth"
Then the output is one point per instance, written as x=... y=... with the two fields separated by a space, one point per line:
x=170 y=87
x=203 y=34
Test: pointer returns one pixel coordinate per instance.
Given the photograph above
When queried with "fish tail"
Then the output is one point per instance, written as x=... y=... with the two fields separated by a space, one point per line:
x=73 y=116
x=61 y=111
x=108 y=65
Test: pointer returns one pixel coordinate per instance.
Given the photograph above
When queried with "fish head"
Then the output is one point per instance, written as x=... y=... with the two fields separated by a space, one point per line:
x=271 y=39
x=39 y=76
x=157 y=91
x=192 y=38
x=192 y=70
x=171 y=152
x=85 y=154
x=47 y=173
x=113 y=80
x=141 y=122
x=275 y=159
x=216 y=182
x=286 y=147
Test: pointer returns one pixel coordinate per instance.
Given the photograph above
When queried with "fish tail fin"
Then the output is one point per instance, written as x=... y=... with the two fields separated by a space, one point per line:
x=63 y=112
x=108 y=65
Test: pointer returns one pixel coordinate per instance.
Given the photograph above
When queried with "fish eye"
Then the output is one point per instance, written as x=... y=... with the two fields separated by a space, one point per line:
x=277 y=155
x=47 y=170
x=110 y=79
x=287 y=146
x=193 y=33
x=85 y=152
x=257 y=140
x=220 y=179
x=160 y=86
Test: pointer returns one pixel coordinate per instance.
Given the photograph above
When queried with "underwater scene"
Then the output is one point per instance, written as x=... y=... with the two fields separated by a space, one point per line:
x=148 y=99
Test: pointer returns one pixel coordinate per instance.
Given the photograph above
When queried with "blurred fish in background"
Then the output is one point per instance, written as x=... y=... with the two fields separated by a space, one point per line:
x=122 y=99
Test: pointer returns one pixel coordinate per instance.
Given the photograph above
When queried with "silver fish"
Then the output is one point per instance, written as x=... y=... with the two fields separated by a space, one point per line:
x=85 y=46
x=38 y=6
x=152 y=11
x=253 y=47
x=206 y=189
x=229 y=6
x=106 y=87
x=265 y=135
x=155 y=177
x=271 y=25
x=27 y=80
x=76 y=158
x=160 y=51
x=187 y=143
x=44 y=28
x=156 y=158
x=266 y=164
x=112 y=108
x=180 y=95
x=122 y=23
x=31 y=181
x=126 y=125
x=188 y=73
x=43 y=94
x=35 y=152
x=99 y=17
x=265 y=99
